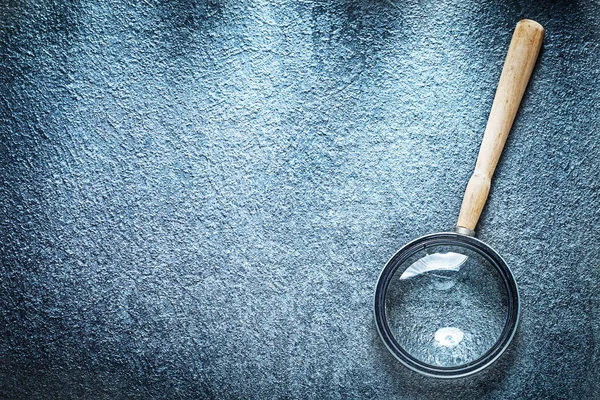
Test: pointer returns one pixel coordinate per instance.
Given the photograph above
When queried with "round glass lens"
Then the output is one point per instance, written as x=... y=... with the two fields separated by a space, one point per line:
x=446 y=305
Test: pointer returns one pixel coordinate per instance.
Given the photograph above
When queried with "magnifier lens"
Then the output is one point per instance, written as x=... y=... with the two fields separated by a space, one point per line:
x=446 y=305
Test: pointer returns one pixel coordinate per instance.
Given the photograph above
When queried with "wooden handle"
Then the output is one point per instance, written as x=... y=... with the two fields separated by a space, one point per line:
x=520 y=59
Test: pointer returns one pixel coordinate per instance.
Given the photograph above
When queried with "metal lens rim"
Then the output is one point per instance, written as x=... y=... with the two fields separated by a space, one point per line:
x=489 y=254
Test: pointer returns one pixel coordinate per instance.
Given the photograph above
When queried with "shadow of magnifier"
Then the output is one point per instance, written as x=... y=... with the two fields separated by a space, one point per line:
x=446 y=304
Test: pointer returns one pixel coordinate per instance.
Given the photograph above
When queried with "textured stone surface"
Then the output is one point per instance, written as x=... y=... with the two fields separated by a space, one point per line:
x=197 y=198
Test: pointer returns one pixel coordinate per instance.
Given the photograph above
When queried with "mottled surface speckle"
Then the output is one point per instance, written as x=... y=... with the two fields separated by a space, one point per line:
x=197 y=197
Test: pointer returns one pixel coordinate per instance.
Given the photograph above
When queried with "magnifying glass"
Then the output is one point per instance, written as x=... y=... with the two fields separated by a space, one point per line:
x=446 y=304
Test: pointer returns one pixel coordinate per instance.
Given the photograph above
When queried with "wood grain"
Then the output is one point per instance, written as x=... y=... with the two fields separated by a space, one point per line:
x=520 y=60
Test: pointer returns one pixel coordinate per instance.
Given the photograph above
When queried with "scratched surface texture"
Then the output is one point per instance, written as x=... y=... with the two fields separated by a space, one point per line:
x=197 y=197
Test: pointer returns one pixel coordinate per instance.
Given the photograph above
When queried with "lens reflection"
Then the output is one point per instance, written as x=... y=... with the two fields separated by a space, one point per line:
x=446 y=305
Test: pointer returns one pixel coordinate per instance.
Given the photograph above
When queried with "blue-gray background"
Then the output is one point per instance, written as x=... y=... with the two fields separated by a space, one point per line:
x=197 y=197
